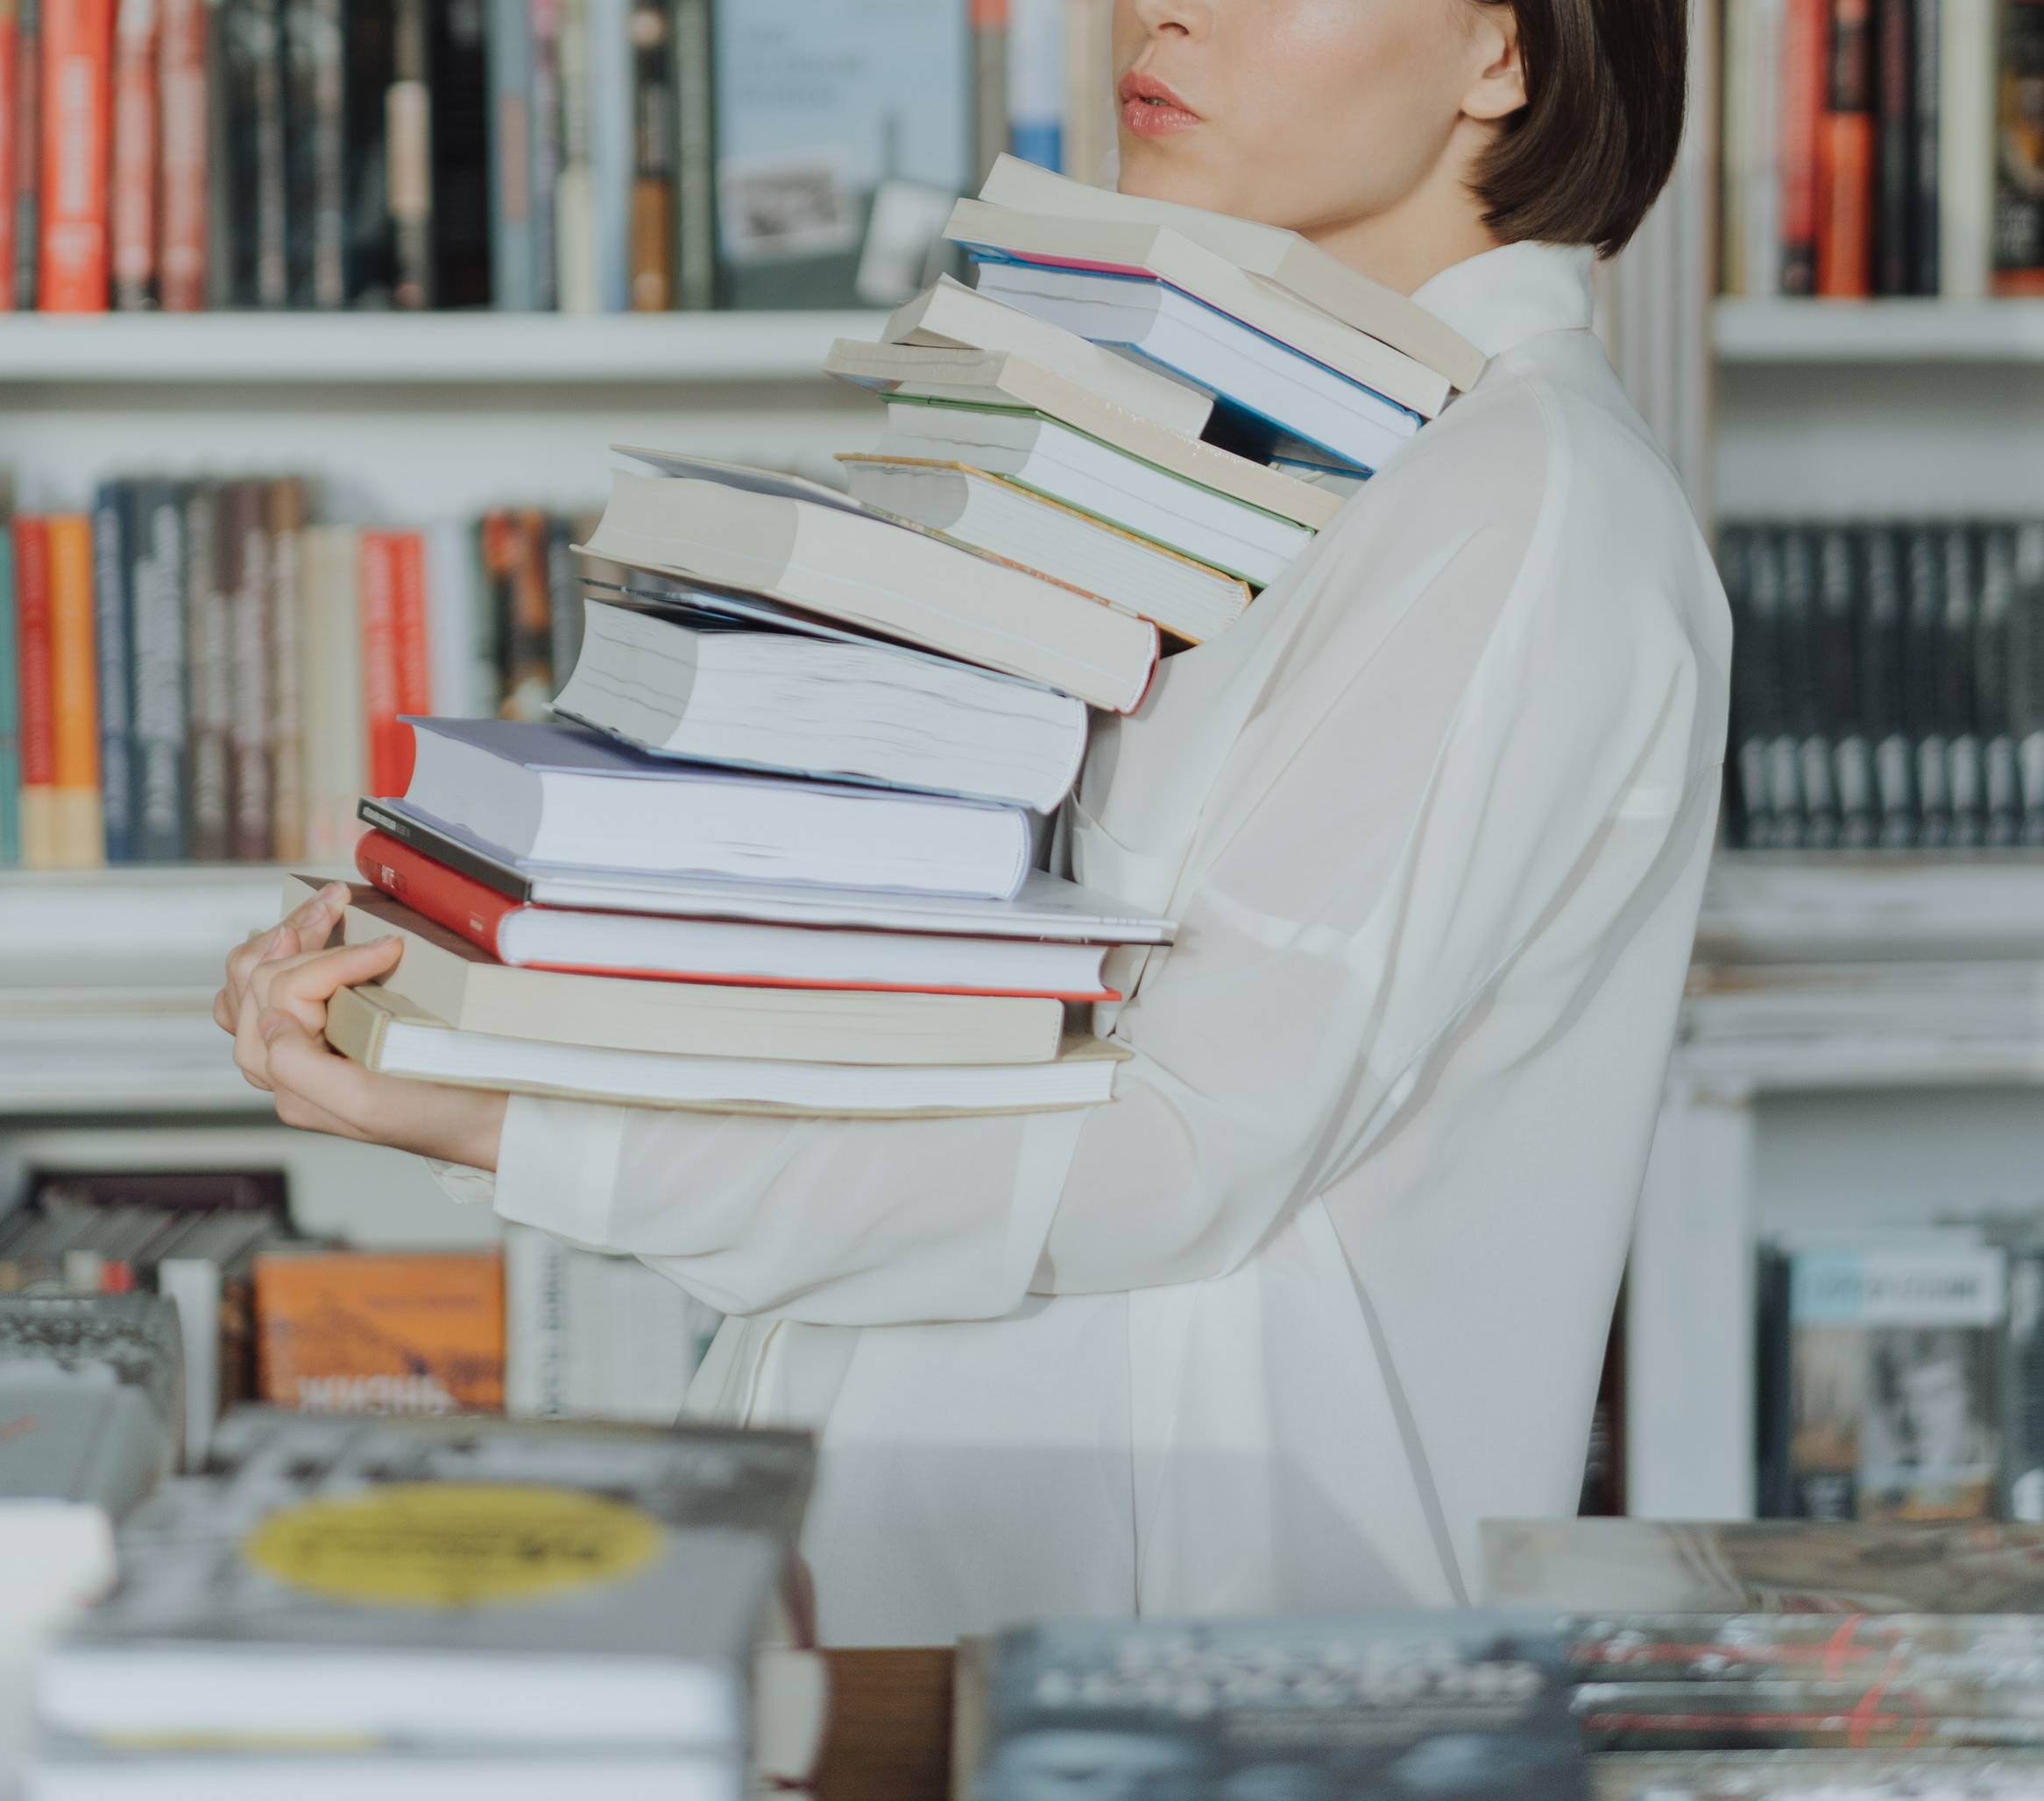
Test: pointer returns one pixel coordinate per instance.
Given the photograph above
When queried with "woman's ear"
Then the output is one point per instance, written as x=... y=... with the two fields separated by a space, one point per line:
x=1500 y=87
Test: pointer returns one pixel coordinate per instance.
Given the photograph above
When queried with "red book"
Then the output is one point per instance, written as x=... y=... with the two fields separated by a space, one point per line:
x=414 y=666
x=10 y=100
x=78 y=59
x=36 y=673
x=1805 y=86
x=135 y=146
x=181 y=98
x=389 y=760
x=1845 y=157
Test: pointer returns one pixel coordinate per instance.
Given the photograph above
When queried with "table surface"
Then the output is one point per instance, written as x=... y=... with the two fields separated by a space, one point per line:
x=889 y=1736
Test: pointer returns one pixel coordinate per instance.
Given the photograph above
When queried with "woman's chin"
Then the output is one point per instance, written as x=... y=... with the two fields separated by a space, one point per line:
x=1166 y=168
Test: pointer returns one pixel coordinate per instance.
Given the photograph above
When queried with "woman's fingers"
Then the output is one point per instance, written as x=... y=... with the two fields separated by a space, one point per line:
x=317 y=1089
x=304 y=927
x=316 y=978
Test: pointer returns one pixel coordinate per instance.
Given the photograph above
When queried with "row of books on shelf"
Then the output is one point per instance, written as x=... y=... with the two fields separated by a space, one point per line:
x=579 y=155
x=1882 y=147
x=1887 y=685
x=536 y=1329
x=797 y=708
x=193 y=671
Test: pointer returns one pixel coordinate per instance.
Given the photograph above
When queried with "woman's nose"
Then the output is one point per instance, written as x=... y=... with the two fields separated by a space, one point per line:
x=1177 y=18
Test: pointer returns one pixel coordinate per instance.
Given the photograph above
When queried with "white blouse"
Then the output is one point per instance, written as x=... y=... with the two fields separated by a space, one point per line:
x=1328 y=1284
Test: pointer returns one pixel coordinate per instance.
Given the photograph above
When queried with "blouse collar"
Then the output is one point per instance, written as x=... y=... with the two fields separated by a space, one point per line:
x=1500 y=299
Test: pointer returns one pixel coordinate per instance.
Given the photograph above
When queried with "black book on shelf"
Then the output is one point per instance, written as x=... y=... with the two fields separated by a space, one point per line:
x=208 y=652
x=694 y=97
x=1802 y=657
x=563 y=599
x=2026 y=676
x=365 y=93
x=1748 y=809
x=1772 y=672
x=2001 y=804
x=1884 y=685
x=1923 y=655
x=1926 y=128
x=1956 y=713
x=1894 y=146
x=114 y=533
x=316 y=154
x=543 y=131
x=155 y=628
x=1773 y=1370
x=461 y=153
x=1839 y=693
x=250 y=182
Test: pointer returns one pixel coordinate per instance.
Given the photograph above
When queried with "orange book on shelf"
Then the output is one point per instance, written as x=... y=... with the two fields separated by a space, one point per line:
x=409 y=626
x=356 y=1331
x=38 y=700
x=132 y=221
x=377 y=599
x=78 y=839
x=10 y=99
x=182 y=100
x=78 y=57
x=1845 y=158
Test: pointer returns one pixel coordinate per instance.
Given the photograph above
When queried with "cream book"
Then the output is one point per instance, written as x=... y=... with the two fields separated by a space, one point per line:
x=1267 y=253
x=1116 y=247
x=848 y=564
x=390 y=1036
x=1190 y=599
x=950 y=315
x=445 y=976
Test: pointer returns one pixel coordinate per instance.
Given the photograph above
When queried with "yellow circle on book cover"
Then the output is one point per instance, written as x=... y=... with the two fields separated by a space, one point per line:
x=454 y=1544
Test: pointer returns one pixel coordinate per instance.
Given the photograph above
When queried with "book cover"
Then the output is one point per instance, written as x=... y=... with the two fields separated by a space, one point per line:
x=74 y=682
x=10 y=708
x=1993 y=656
x=844 y=133
x=184 y=95
x=460 y=138
x=1805 y=82
x=315 y=173
x=408 y=157
x=378 y=601
x=1885 y=688
x=694 y=91
x=336 y=772
x=1957 y=721
x=115 y=526
x=368 y=62
x=525 y=592
x=1815 y=814
x=38 y=693
x=252 y=133
x=208 y=650
x=156 y=581
x=410 y=606
x=2019 y=190
x=1835 y=668
x=1845 y=156
x=1924 y=648
x=508 y=43
x=1894 y=56
x=9 y=101
x=136 y=141
x=285 y=500
x=1927 y=147
x=78 y=52
x=1470 y=1705
x=27 y=124
x=248 y=602
x=652 y=150
x=350 y=1331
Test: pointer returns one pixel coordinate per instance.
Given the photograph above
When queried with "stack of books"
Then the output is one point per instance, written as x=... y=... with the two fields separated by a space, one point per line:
x=343 y=1607
x=780 y=852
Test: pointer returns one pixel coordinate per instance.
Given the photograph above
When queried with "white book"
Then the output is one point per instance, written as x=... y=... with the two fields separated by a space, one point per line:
x=454 y=620
x=1190 y=600
x=1299 y=409
x=555 y=794
x=386 y=1034
x=1761 y=172
x=950 y=314
x=696 y=685
x=610 y=87
x=834 y=558
x=1282 y=257
x=1968 y=105
x=1080 y=470
x=335 y=766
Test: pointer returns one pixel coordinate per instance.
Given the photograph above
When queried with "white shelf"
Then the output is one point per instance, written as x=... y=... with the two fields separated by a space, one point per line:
x=536 y=349
x=1792 y=331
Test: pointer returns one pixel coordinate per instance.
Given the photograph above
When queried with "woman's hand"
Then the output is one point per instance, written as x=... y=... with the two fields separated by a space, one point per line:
x=275 y=1005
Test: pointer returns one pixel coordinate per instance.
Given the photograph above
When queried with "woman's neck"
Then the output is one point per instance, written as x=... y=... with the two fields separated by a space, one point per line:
x=1434 y=227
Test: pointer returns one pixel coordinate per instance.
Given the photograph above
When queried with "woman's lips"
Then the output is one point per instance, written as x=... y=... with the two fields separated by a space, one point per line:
x=1150 y=109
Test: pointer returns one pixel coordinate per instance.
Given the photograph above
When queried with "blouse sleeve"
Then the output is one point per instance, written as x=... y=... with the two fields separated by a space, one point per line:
x=1377 y=859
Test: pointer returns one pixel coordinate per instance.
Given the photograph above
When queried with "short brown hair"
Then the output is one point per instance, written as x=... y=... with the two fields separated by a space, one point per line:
x=1607 y=84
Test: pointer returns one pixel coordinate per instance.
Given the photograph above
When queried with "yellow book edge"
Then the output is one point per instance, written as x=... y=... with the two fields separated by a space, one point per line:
x=358 y=1018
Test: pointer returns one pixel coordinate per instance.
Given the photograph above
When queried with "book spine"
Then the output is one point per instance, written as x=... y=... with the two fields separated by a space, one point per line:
x=249 y=130
x=537 y=1337
x=1894 y=147
x=1752 y=650
x=990 y=22
x=1925 y=226
x=10 y=707
x=454 y=855
x=511 y=174
x=136 y=140
x=459 y=61
x=315 y=114
x=2026 y=677
x=651 y=251
x=1036 y=81
x=411 y=608
x=1924 y=641
x=574 y=231
x=1956 y=714
x=1802 y=627
x=615 y=60
x=1966 y=163
x=408 y=157
x=528 y=682
x=75 y=682
x=336 y=758
x=544 y=116
x=1884 y=705
x=1735 y=148
x=694 y=109
x=434 y=891
x=272 y=260
x=564 y=603
x=1993 y=652
x=28 y=155
x=1845 y=158
x=1806 y=36
x=208 y=645
x=183 y=96
x=77 y=89
x=378 y=590
x=114 y=535
x=285 y=505
x=248 y=671
x=157 y=630
x=36 y=684
x=1840 y=690
x=10 y=99
x=2018 y=191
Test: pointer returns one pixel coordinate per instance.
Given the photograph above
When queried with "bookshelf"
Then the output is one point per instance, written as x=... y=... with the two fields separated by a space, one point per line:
x=1877 y=333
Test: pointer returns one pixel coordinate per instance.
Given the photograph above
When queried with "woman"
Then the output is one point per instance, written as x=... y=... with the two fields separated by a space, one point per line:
x=1329 y=1283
